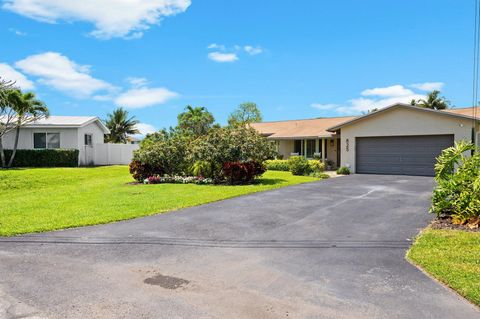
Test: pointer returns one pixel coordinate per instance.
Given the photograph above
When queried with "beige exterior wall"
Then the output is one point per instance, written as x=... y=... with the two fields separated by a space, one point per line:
x=286 y=148
x=401 y=122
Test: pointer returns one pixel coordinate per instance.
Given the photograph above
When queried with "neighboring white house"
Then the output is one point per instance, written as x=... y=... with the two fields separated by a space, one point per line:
x=85 y=133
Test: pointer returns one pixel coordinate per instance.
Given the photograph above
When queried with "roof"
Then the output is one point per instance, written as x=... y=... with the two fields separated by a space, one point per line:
x=465 y=113
x=309 y=128
x=67 y=122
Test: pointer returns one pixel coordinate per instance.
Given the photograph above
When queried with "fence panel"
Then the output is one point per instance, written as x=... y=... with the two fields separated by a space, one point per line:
x=113 y=154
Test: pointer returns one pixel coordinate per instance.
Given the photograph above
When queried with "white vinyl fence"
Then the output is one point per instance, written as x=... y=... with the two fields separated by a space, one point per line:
x=113 y=154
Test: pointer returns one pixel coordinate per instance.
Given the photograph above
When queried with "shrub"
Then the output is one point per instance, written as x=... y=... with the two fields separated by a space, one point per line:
x=343 y=171
x=142 y=171
x=236 y=173
x=316 y=166
x=320 y=175
x=457 y=193
x=44 y=158
x=231 y=144
x=277 y=165
x=165 y=150
x=299 y=165
x=202 y=168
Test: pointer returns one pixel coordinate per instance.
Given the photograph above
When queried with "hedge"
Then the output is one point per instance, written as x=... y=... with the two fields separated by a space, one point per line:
x=44 y=158
x=277 y=165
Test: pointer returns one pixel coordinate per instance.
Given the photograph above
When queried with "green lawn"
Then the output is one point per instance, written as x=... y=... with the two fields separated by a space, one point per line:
x=451 y=256
x=35 y=200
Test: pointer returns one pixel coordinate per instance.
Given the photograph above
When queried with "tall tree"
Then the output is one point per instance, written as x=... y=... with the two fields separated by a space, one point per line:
x=7 y=115
x=27 y=109
x=433 y=101
x=247 y=112
x=121 y=125
x=195 y=121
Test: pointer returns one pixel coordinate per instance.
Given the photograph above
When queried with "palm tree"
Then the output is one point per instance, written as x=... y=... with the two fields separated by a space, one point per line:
x=28 y=109
x=195 y=120
x=121 y=126
x=434 y=101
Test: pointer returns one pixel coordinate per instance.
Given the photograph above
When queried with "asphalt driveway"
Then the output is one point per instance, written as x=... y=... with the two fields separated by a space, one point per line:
x=330 y=249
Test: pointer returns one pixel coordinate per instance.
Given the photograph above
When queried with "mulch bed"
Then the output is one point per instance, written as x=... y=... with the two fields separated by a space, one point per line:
x=446 y=223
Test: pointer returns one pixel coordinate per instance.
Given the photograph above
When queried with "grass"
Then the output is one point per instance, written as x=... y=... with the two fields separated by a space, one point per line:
x=42 y=199
x=452 y=257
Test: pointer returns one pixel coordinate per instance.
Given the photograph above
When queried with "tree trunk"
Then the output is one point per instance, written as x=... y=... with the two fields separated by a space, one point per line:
x=2 y=153
x=14 y=151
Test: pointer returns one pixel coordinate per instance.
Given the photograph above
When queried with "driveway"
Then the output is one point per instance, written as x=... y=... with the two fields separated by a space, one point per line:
x=329 y=249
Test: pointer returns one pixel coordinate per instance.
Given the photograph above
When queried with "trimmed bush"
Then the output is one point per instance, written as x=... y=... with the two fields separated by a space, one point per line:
x=316 y=166
x=44 y=158
x=299 y=165
x=277 y=165
x=240 y=173
x=141 y=171
x=343 y=171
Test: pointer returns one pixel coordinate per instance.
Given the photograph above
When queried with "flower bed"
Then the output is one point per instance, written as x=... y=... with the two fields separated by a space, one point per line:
x=156 y=179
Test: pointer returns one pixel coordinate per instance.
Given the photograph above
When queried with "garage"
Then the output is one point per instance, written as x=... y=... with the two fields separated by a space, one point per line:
x=400 y=155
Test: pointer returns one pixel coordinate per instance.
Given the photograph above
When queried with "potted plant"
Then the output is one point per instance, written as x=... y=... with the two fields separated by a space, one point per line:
x=329 y=164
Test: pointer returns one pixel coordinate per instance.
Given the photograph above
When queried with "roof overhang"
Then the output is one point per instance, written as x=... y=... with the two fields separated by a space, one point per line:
x=395 y=106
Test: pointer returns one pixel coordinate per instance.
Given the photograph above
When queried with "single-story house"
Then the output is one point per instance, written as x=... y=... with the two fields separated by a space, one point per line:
x=399 y=139
x=84 y=133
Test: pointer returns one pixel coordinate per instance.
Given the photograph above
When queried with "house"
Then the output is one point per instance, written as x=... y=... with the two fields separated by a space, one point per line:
x=399 y=139
x=85 y=133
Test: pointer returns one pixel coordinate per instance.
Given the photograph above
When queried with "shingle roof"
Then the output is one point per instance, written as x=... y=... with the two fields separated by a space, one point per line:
x=466 y=111
x=67 y=122
x=299 y=128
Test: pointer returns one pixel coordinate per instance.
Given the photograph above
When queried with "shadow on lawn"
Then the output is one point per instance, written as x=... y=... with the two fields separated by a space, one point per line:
x=269 y=181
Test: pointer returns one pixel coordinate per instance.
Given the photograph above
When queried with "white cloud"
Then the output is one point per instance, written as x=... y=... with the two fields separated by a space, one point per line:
x=10 y=74
x=323 y=107
x=428 y=86
x=137 y=82
x=222 y=57
x=215 y=46
x=17 y=32
x=145 y=128
x=111 y=18
x=59 y=72
x=394 y=90
x=136 y=98
x=252 y=50
x=378 y=98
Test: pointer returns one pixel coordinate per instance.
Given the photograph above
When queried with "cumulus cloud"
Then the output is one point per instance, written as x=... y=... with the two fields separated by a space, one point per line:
x=428 y=86
x=59 y=72
x=8 y=73
x=390 y=91
x=137 y=82
x=379 y=97
x=137 y=98
x=222 y=57
x=145 y=129
x=111 y=18
x=252 y=50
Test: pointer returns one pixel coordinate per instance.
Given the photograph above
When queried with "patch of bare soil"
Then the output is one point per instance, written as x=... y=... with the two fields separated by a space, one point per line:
x=446 y=223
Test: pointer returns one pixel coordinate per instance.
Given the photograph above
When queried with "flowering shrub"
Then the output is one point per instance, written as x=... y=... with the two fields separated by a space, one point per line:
x=236 y=173
x=142 y=171
x=157 y=179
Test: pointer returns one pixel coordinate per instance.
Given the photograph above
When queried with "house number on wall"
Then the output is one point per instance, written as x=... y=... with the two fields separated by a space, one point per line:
x=347 y=145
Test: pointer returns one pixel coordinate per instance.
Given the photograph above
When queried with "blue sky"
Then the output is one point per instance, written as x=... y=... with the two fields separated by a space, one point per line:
x=295 y=59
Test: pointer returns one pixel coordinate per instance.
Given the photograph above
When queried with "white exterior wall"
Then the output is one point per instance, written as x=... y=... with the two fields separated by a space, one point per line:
x=68 y=137
x=113 y=154
x=97 y=138
x=401 y=122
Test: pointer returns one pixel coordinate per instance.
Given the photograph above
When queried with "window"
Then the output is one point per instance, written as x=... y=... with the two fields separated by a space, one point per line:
x=297 y=147
x=310 y=148
x=46 y=140
x=88 y=139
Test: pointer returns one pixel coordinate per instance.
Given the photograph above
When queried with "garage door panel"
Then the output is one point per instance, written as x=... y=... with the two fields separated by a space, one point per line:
x=400 y=155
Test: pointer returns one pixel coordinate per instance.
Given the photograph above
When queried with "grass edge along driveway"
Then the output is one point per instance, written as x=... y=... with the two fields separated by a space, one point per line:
x=452 y=257
x=44 y=199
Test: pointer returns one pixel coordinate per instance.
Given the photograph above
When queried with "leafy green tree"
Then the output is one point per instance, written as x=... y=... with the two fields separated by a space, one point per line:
x=27 y=109
x=121 y=125
x=7 y=115
x=247 y=112
x=433 y=101
x=195 y=121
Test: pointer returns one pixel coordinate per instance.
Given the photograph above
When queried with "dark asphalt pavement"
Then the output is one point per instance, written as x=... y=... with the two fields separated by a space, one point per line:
x=329 y=249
